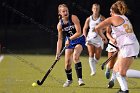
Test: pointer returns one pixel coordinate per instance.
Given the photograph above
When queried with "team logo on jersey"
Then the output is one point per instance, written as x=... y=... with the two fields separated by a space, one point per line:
x=111 y=49
x=69 y=28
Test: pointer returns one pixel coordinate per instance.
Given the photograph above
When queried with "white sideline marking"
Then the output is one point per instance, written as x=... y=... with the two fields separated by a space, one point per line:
x=1 y=58
x=18 y=80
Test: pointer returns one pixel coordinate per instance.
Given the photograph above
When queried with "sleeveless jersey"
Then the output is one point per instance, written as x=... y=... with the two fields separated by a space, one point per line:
x=124 y=33
x=92 y=37
x=93 y=23
x=68 y=28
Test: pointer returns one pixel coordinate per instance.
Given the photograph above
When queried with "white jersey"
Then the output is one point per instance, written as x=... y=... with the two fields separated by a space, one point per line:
x=93 y=23
x=126 y=39
x=92 y=37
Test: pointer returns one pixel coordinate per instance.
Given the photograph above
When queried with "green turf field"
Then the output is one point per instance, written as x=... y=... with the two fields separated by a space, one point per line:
x=18 y=72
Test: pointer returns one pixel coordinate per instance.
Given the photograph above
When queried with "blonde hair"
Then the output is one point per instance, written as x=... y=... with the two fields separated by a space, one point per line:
x=61 y=5
x=120 y=7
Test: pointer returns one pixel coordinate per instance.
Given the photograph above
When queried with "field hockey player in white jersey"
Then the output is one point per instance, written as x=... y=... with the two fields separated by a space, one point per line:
x=126 y=41
x=94 y=42
x=131 y=73
x=111 y=50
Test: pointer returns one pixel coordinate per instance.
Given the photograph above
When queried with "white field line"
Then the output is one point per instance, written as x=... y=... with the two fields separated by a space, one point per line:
x=1 y=58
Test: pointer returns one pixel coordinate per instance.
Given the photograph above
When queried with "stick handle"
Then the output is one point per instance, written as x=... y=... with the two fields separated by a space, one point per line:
x=61 y=52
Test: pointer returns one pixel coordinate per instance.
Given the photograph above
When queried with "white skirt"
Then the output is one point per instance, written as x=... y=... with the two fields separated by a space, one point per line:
x=131 y=50
x=94 y=39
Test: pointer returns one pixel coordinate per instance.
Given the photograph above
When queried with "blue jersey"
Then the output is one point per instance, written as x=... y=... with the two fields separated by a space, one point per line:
x=69 y=30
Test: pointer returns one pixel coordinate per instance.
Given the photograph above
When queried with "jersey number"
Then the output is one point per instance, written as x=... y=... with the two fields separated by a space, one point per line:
x=128 y=28
x=70 y=32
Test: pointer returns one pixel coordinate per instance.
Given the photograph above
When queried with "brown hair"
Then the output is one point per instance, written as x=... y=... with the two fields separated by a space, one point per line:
x=120 y=7
x=61 y=5
x=96 y=4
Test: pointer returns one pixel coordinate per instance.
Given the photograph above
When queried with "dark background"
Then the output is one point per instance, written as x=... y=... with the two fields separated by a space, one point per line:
x=29 y=26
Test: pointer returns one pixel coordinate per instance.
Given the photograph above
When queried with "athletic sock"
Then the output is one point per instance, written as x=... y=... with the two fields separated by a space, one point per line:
x=113 y=77
x=133 y=73
x=107 y=68
x=92 y=64
x=122 y=82
x=69 y=74
x=78 y=68
x=95 y=60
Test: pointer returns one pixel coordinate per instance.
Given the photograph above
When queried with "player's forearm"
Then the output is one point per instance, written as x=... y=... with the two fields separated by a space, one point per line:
x=77 y=34
x=85 y=32
x=101 y=34
x=109 y=36
x=59 y=46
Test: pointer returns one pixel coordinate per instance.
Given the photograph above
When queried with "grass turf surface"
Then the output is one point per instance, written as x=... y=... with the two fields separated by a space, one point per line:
x=18 y=72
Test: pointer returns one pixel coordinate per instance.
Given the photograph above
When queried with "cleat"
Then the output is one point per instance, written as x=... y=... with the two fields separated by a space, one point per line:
x=111 y=84
x=80 y=82
x=120 y=91
x=67 y=83
x=107 y=74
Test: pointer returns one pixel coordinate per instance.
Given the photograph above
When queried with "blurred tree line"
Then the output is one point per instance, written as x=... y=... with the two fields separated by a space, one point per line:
x=30 y=25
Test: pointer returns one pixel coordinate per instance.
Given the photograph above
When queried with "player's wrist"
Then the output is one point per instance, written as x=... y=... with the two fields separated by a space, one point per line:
x=69 y=38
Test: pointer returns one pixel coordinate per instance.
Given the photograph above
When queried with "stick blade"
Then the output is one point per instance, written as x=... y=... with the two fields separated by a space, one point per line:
x=102 y=67
x=39 y=83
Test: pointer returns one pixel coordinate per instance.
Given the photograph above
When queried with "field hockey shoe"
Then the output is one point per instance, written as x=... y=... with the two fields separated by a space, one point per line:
x=92 y=73
x=67 y=83
x=107 y=74
x=120 y=91
x=111 y=84
x=81 y=82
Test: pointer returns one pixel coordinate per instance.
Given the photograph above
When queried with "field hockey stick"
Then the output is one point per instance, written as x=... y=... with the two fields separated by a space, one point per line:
x=50 y=69
x=114 y=54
